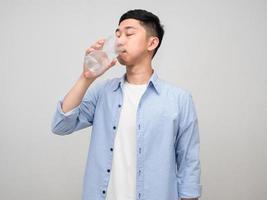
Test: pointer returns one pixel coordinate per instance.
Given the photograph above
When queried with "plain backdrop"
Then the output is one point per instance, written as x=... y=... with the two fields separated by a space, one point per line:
x=215 y=49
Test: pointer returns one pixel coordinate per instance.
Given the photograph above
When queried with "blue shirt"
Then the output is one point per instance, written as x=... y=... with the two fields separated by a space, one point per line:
x=167 y=139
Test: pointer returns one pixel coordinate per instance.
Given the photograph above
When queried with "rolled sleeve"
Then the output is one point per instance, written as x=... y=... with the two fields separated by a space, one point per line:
x=79 y=117
x=74 y=111
x=187 y=151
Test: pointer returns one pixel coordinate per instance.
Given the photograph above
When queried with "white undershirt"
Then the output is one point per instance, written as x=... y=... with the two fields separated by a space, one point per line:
x=122 y=183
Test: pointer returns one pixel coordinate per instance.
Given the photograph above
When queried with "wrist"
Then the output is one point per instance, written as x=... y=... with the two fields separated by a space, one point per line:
x=86 y=80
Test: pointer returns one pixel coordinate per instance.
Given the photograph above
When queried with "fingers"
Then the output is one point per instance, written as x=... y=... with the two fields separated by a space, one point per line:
x=90 y=74
x=113 y=62
x=89 y=50
x=96 y=46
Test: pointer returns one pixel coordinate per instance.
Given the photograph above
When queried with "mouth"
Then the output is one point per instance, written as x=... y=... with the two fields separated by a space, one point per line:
x=122 y=51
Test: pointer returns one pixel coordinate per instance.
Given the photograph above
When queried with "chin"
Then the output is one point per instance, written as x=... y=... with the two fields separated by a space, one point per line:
x=126 y=60
x=122 y=61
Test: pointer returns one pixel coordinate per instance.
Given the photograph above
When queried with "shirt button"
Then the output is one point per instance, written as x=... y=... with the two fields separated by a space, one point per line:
x=103 y=191
x=114 y=127
x=108 y=170
x=111 y=149
x=119 y=105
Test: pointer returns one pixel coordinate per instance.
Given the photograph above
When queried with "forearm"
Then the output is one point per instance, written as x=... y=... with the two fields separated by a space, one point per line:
x=76 y=94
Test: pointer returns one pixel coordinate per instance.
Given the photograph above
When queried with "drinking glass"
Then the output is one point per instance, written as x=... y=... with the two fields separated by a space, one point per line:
x=98 y=59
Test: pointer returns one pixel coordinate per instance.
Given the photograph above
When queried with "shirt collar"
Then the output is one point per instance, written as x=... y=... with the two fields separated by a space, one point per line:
x=153 y=81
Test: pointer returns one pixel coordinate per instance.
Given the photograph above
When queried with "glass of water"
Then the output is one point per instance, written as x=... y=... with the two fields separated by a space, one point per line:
x=96 y=60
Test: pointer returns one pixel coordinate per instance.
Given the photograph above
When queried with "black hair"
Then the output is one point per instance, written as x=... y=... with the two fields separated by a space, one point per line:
x=150 y=22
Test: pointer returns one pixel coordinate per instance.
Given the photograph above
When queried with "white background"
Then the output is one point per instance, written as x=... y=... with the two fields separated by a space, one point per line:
x=215 y=49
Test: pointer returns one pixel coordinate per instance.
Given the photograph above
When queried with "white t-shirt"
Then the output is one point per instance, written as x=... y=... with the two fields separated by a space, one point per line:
x=122 y=183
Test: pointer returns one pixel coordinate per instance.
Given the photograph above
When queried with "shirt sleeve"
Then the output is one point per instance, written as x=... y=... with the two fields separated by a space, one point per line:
x=79 y=117
x=187 y=148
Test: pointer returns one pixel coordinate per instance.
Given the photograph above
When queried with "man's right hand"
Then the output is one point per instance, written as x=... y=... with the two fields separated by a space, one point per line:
x=90 y=74
x=77 y=92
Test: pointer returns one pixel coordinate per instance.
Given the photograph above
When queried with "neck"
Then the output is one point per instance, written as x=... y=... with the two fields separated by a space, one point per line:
x=139 y=74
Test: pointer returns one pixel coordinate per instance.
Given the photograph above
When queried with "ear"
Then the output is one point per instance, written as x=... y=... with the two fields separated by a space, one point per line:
x=153 y=42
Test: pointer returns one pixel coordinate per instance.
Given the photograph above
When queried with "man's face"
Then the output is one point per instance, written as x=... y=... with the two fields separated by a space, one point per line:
x=132 y=38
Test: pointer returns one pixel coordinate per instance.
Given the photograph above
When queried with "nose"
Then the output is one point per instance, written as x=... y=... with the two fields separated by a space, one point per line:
x=120 y=41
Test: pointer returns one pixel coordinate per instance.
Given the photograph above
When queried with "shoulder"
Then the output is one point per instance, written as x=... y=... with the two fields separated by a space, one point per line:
x=174 y=91
x=184 y=100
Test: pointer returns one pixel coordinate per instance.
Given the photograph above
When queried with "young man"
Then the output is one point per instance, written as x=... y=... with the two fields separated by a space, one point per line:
x=144 y=141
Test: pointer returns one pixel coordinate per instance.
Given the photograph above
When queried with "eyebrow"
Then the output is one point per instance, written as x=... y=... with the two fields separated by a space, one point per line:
x=127 y=28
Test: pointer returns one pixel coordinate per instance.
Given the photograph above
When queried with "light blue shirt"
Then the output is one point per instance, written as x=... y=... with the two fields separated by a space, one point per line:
x=167 y=139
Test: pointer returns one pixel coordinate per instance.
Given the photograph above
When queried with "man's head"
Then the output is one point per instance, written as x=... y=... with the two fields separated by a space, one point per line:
x=140 y=33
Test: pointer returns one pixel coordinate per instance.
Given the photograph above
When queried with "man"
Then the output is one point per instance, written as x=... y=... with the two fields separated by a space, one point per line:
x=144 y=141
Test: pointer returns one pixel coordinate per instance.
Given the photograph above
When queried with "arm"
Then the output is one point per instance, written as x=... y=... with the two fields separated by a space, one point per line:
x=76 y=94
x=76 y=110
x=187 y=151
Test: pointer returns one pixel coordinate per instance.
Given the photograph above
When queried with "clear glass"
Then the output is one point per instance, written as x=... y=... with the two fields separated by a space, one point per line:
x=98 y=59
